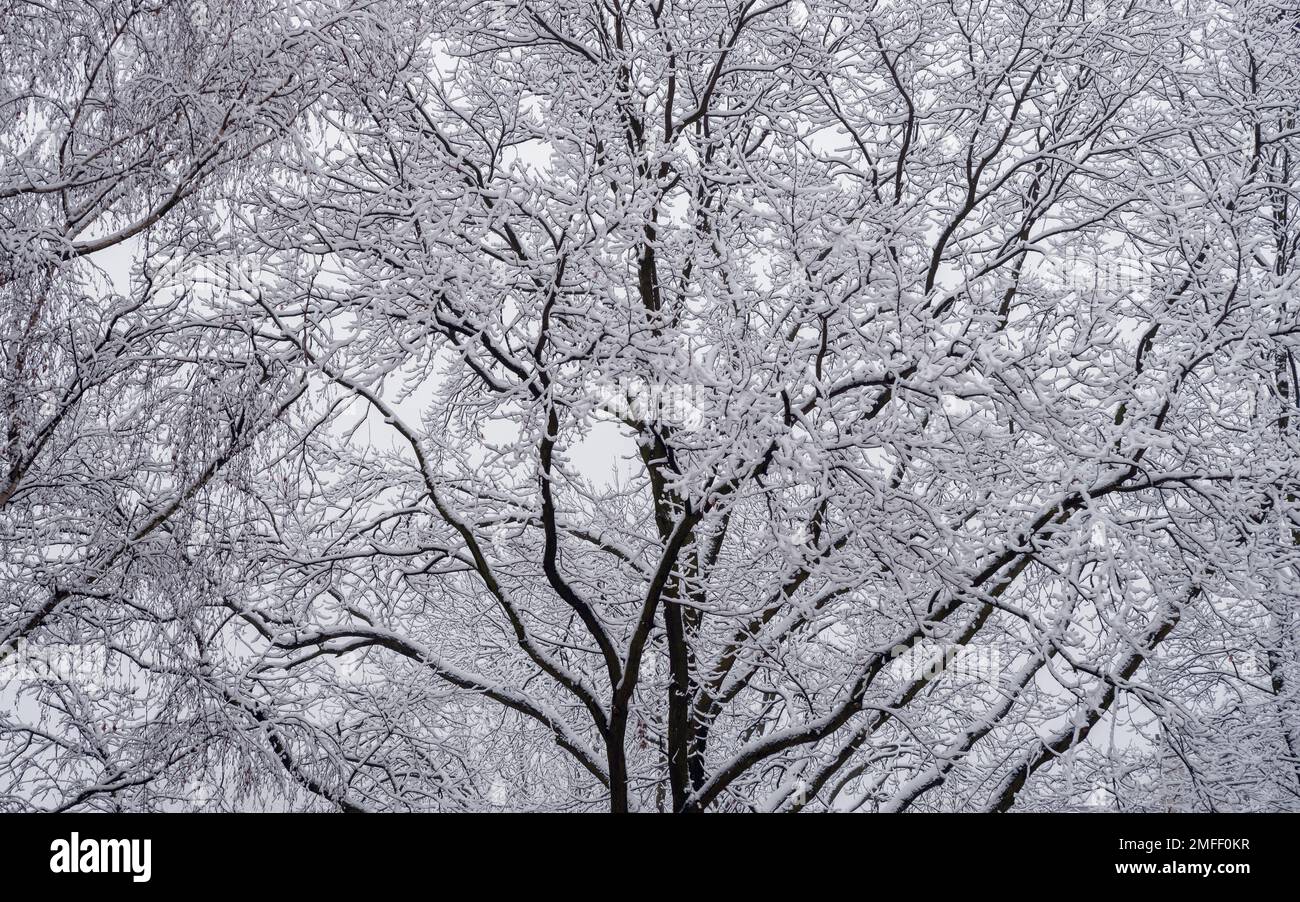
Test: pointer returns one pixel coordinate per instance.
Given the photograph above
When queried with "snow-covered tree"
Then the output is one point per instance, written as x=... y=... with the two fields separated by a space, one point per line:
x=677 y=406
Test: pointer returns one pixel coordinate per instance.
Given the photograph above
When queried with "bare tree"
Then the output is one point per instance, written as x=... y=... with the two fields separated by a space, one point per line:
x=657 y=406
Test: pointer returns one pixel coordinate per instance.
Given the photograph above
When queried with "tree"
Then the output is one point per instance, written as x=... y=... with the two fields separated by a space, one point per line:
x=670 y=406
